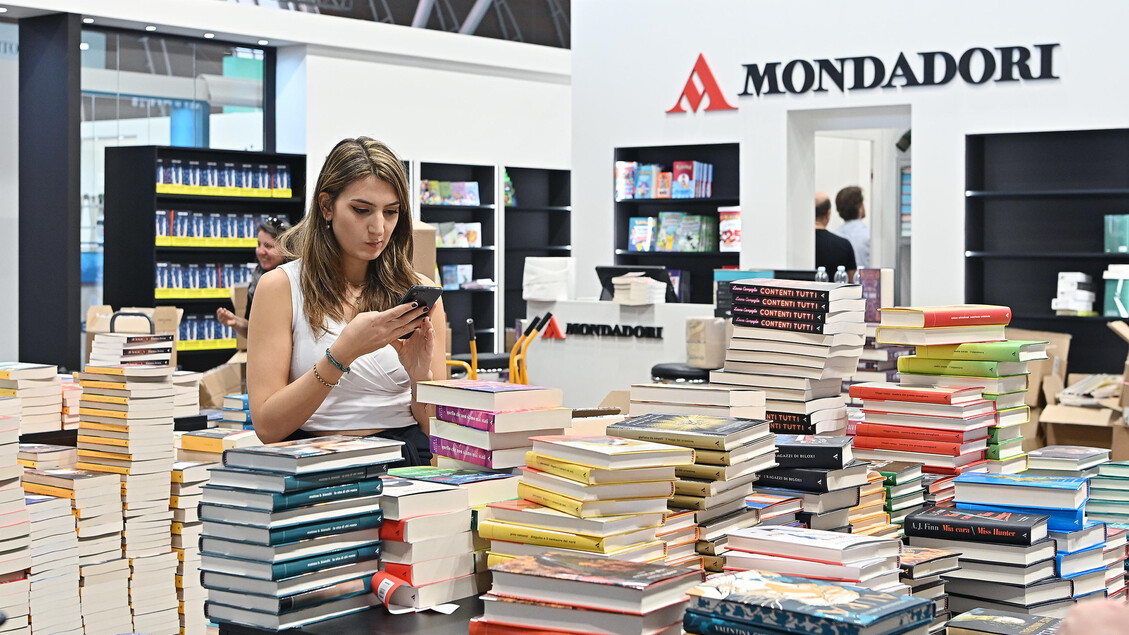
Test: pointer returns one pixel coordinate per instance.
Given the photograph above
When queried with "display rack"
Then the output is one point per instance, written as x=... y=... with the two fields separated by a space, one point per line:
x=461 y=304
x=538 y=223
x=1034 y=206
x=726 y=192
x=133 y=248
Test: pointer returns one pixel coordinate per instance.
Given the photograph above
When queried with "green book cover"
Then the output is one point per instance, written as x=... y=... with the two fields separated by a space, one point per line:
x=955 y=367
x=1000 y=434
x=998 y=452
x=1007 y=351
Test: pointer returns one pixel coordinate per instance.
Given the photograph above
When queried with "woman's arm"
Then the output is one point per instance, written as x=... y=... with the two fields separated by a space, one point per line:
x=423 y=412
x=227 y=318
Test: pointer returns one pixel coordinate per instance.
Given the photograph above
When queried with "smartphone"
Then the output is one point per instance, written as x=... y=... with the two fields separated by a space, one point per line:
x=423 y=294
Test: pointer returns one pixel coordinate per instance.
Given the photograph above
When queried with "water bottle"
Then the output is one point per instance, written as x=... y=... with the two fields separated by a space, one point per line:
x=821 y=274
x=858 y=276
x=841 y=274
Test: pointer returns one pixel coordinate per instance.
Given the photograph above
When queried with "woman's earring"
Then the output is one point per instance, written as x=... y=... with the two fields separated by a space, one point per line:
x=328 y=223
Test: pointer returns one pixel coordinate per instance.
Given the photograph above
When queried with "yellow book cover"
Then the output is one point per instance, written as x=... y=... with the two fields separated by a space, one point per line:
x=701 y=472
x=103 y=440
x=684 y=501
x=47 y=490
x=177 y=527
x=96 y=467
x=561 y=468
x=26 y=463
x=98 y=454
x=105 y=370
x=492 y=530
x=174 y=502
x=94 y=383
x=105 y=399
x=549 y=499
x=9 y=392
x=495 y=559
x=105 y=427
x=98 y=412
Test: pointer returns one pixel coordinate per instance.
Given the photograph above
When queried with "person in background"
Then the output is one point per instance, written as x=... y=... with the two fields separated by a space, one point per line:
x=831 y=251
x=848 y=202
x=1096 y=617
x=324 y=350
x=270 y=255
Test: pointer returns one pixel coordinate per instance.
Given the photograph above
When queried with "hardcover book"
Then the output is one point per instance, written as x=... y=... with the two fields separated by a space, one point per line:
x=695 y=431
x=990 y=622
x=815 y=479
x=316 y=454
x=942 y=316
x=948 y=395
x=1001 y=527
x=493 y=396
x=795 y=289
x=924 y=562
x=813 y=451
x=1007 y=351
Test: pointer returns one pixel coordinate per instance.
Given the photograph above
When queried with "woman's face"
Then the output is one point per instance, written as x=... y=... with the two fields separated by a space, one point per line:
x=364 y=216
x=268 y=252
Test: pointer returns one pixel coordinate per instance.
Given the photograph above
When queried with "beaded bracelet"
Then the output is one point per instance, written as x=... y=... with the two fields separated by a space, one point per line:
x=329 y=356
x=324 y=382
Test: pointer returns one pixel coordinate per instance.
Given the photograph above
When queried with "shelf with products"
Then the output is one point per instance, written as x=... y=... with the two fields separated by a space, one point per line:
x=196 y=228
x=538 y=224
x=1035 y=206
x=693 y=227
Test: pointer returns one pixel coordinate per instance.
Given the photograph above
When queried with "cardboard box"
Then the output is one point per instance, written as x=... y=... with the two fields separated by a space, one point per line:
x=166 y=319
x=423 y=250
x=239 y=301
x=1033 y=435
x=1058 y=348
x=1102 y=427
x=226 y=379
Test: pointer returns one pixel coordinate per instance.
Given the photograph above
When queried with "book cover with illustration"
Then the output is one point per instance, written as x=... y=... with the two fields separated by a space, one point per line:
x=690 y=233
x=444 y=475
x=729 y=228
x=690 y=430
x=643 y=233
x=317 y=446
x=644 y=181
x=471 y=195
x=670 y=225
x=606 y=445
x=596 y=570
x=992 y=622
x=662 y=190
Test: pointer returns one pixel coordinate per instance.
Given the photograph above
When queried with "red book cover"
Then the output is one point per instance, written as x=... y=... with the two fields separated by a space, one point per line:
x=955 y=471
x=480 y=626
x=865 y=429
x=393 y=530
x=955 y=315
x=907 y=445
x=947 y=395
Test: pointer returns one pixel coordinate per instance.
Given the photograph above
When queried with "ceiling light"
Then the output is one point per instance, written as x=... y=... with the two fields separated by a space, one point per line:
x=150 y=28
x=83 y=46
x=208 y=36
x=88 y=20
x=264 y=42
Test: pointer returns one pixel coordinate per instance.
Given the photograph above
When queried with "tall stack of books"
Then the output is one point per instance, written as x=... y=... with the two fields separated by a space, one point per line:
x=186 y=393
x=922 y=568
x=113 y=349
x=729 y=453
x=186 y=495
x=905 y=489
x=103 y=573
x=72 y=393
x=823 y=467
x=236 y=413
x=869 y=516
x=1109 y=493
x=428 y=543
x=713 y=400
x=15 y=552
x=482 y=489
x=532 y=593
x=291 y=531
x=679 y=531
x=487 y=424
x=40 y=394
x=45 y=456
x=796 y=341
x=867 y=561
x=54 y=601
x=603 y=496
x=152 y=593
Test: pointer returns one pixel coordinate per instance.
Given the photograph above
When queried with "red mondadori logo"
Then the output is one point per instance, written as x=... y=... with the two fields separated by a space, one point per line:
x=693 y=95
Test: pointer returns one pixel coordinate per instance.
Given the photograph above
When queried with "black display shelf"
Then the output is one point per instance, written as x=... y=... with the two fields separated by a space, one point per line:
x=540 y=248
x=446 y=291
x=431 y=208
x=453 y=249
x=1034 y=206
x=131 y=252
x=545 y=208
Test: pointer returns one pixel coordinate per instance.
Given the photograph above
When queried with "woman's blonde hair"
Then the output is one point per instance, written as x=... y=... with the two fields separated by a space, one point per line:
x=312 y=239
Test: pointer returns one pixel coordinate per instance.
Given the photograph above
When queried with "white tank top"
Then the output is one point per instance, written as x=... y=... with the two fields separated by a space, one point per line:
x=375 y=394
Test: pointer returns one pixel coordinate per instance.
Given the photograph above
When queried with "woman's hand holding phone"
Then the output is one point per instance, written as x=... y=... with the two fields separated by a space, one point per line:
x=373 y=330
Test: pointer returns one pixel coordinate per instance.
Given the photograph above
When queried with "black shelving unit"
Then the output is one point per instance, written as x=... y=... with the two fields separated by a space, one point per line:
x=539 y=223
x=131 y=251
x=460 y=305
x=725 y=158
x=1034 y=206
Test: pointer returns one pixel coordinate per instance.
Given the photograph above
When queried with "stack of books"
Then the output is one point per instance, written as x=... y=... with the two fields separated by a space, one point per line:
x=796 y=341
x=1114 y=557
x=487 y=424
x=775 y=509
x=679 y=531
x=39 y=390
x=764 y=602
x=945 y=428
x=636 y=289
x=729 y=453
x=152 y=593
x=44 y=456
x=905 y=488
x=112 y=349
x=823 y=467
x=103 y=573
x=54 y=601
x=482 y=489
x=208 y=445
x=605 y=498
x=186 y=393
x=236 y=413
x=1067 y=460
x=867 y=561
x=72 y=393
x=291 y=531
x=15 y=551
x=939 y=489
x=922 y=568
x=877 y=363
x=714 y=400
x=428 y=544
x=988 y=622
x=547 y=591
x=869 y=516
x=1074 y=295
x=186 y=495
x=1109 y=493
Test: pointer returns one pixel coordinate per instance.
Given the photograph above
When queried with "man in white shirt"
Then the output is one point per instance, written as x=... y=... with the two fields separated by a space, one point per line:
x=848 y=202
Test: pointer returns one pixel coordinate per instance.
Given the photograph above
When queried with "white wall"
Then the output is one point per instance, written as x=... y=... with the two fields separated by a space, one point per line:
x=9 y=192
x=616 y=107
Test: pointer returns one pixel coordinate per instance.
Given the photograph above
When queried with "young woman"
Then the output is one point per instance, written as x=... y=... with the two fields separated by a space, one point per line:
x=324 y=351
x=269 y=254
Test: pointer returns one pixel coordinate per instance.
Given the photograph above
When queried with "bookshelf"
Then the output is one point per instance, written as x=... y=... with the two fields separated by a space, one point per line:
x=460 y=304
x=537 y=224
x=133 y=247
x=1034 y=206
x=698 y=266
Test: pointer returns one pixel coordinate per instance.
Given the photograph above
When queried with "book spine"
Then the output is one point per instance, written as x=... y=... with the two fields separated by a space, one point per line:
x=927 y=366
x=789 y=423
x=399 y=570
x=371 y=520
x=549 y=499
x=788 y=293
x=900 y=393
x=324 y=561
x=686 y=501
x=668 y=437
x=477 y=419
x=794 y=478
x=564 y=469
x=967 y=316
x=701 y=472
x=711 y=625
x=536 y=536
x=462 y=452
x=693 y=487
x=953 y=525
x=789 y=304
x=740 y=310
x=352 y=490
x=864 y=429
x=778 y=325
x=325 y=479
x=907 y=445
x=340 y=590
x=713 y=457
x=973 y=351
x=804 y=455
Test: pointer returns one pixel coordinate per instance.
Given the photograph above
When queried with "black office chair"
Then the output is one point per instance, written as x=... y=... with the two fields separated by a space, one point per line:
x=678 y=372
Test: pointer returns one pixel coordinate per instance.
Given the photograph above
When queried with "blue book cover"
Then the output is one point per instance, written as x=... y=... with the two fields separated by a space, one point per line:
x=702 y=624
x=285 y=535
x=1019 y=480
x=794 y=604
x=289 y=569
x=1060 y=519
x=280 y=501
